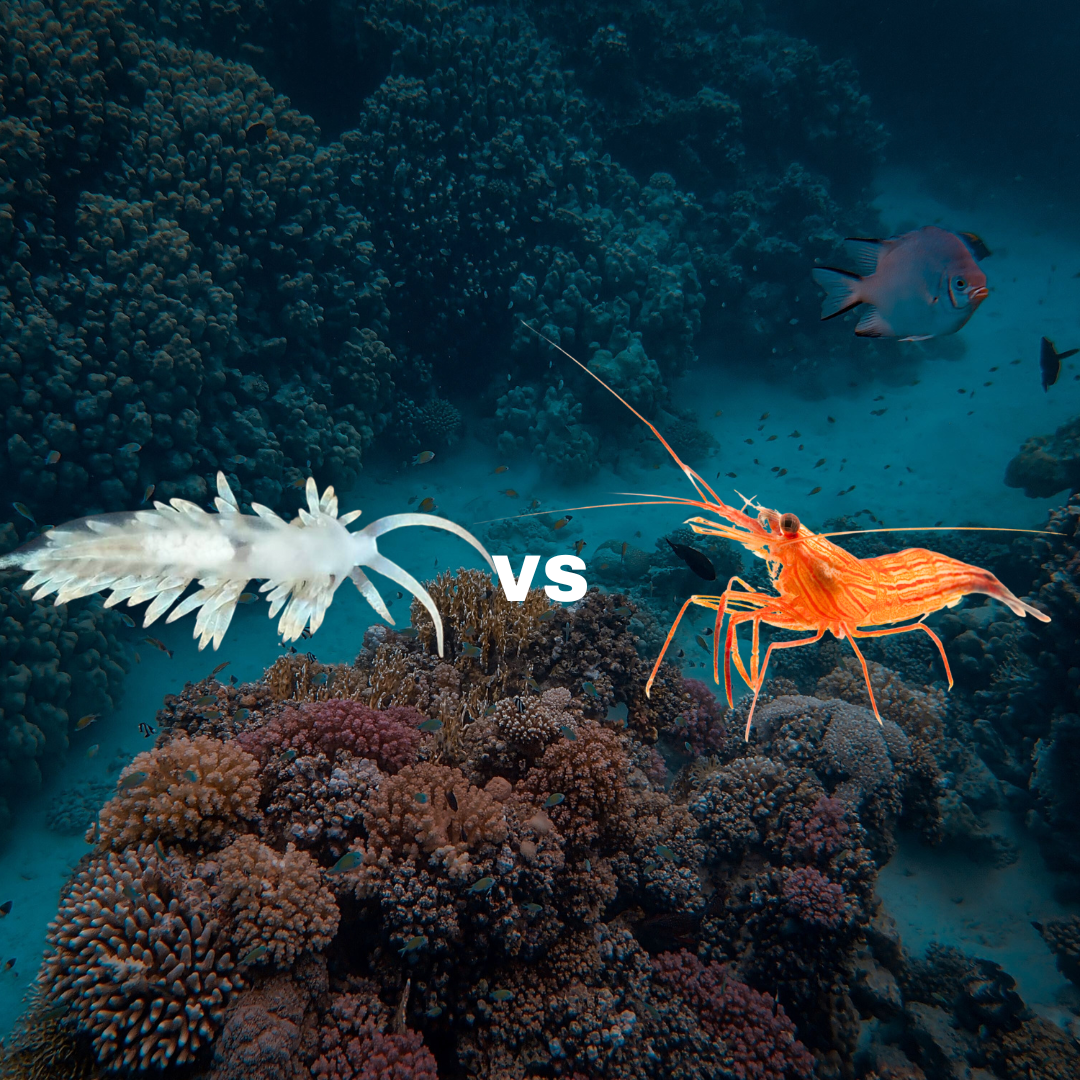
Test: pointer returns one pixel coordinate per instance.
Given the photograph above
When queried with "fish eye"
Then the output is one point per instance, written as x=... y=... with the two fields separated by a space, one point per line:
x=789 y=525
x=961 y=283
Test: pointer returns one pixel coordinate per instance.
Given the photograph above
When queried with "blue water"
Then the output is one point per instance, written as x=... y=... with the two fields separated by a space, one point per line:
x=656 y=183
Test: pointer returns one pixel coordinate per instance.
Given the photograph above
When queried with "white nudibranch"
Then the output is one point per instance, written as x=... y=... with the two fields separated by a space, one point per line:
x=155 y=554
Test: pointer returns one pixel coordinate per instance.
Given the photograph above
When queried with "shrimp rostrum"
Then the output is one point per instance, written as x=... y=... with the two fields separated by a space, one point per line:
x=819 y=587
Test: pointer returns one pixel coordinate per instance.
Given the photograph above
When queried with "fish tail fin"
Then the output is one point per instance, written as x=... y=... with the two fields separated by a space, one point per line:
x=842 y=291
x=1067 y=353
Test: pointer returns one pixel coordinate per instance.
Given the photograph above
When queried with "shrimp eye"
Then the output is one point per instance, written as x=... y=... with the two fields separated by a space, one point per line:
x=789 y=525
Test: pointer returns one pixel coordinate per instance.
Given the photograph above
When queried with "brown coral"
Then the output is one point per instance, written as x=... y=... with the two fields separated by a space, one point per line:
x=188 y=789
x=586 y=780
x=137 y=960
x=431 y=809
x=274 y=900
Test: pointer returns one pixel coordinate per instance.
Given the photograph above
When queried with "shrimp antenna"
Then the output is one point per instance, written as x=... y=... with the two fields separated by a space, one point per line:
x=691 y=475
x=935 y=528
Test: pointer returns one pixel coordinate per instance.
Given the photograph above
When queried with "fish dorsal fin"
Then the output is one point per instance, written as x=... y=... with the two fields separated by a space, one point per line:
x=872 y=324
x=865 y=252
x=976 y=245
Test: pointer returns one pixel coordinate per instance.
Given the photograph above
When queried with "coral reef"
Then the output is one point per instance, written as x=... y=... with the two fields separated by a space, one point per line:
x=56 y=665
x=1047 y=464
x=204 y=300
x=75 y=809
x=195 y=790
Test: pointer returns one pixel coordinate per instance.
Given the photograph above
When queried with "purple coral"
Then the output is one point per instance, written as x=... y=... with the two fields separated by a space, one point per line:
x=704 y=718
x=759 y=1037
x=821 y=835
x=389 y=737
x=813 y=899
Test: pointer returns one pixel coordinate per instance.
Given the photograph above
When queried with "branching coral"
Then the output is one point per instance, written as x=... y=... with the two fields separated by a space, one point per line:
x=758 y=1038
x=355 y=1045
x=135 y=956
x=273 y=900
x=533 y=721
x=389 y=737
x=187 y=790
x=586 y=780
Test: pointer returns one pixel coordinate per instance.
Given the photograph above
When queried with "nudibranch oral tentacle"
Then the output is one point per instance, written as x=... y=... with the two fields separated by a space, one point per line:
x=154 y=555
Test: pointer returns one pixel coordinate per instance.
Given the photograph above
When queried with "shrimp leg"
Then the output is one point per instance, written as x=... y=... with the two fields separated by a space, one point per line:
x=865 y=671
x=768 y=652
x=920 y=625
x=671 y=634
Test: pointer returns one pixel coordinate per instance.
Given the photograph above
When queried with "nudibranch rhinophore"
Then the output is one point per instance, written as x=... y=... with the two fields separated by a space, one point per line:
x=155 y=554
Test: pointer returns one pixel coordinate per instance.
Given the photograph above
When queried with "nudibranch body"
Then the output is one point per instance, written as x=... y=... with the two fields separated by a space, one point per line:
x=155 y=554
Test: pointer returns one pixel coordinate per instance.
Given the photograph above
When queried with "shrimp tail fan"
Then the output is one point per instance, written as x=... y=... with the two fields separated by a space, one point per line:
x=154 y=555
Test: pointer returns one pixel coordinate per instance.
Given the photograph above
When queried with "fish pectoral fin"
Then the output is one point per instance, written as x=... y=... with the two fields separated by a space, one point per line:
x=865 y=253
x=872 y=324
x=917 y=337
x=842 y=290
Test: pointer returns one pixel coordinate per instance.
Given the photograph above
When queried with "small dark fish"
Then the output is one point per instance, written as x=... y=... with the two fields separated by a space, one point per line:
x=702 y=642
x=451 y=801
x=93 y=751
x=568 y=733
x=831 y=419
x=434 y=1011
x=408 y=632
x=305 y=634
x=414 y=943
x=131 y=894
x=247 y=598
x=320 y=679
x=349 y=861
x=238 y=459
x=622 y=612
x=502 y=995
x=590 y=689
x=500 y=469
x=770 y=438
x=127 y=620
x=5 y=908
x=878 y=412
x=132 y=780
x=483 y=885
x=588 y=866
x=242 y=714
x=146 y=495
x=547 y=616
x=220 y=668
x=689 y=748
x=145 y=730
x=423 y=457
x=665 y=852
x=734 y=476
x=288 y=756
x=815 y=491
x=130 y=448
x=421 y=797
x=697 y=562
x=532 y=909
x=9 y=964
x=21 y=508
x=578 y=545
x=54 y=1012
x=160 y=646
x=191 y=776
x=52 y=457
x=427 y=505
x=252 y=955
x=561 y=523
x=86 y=721
x=159 y=849
x=532 y=684
x=207 y=699
x=510 y=493
x=1050 y=362
x=256 y=133
x=764 y=416
x=554 y=800
x=470 y=650
x=431 y=725
x=782 y=472
x=212 y=714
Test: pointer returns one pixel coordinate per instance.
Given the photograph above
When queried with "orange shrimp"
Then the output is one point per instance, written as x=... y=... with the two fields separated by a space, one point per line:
x=821 y=587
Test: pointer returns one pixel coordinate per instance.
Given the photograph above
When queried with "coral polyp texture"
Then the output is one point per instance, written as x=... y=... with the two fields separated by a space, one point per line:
x=139 y=962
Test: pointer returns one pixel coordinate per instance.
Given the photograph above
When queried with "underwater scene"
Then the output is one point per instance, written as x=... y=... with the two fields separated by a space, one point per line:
x=653 y=431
